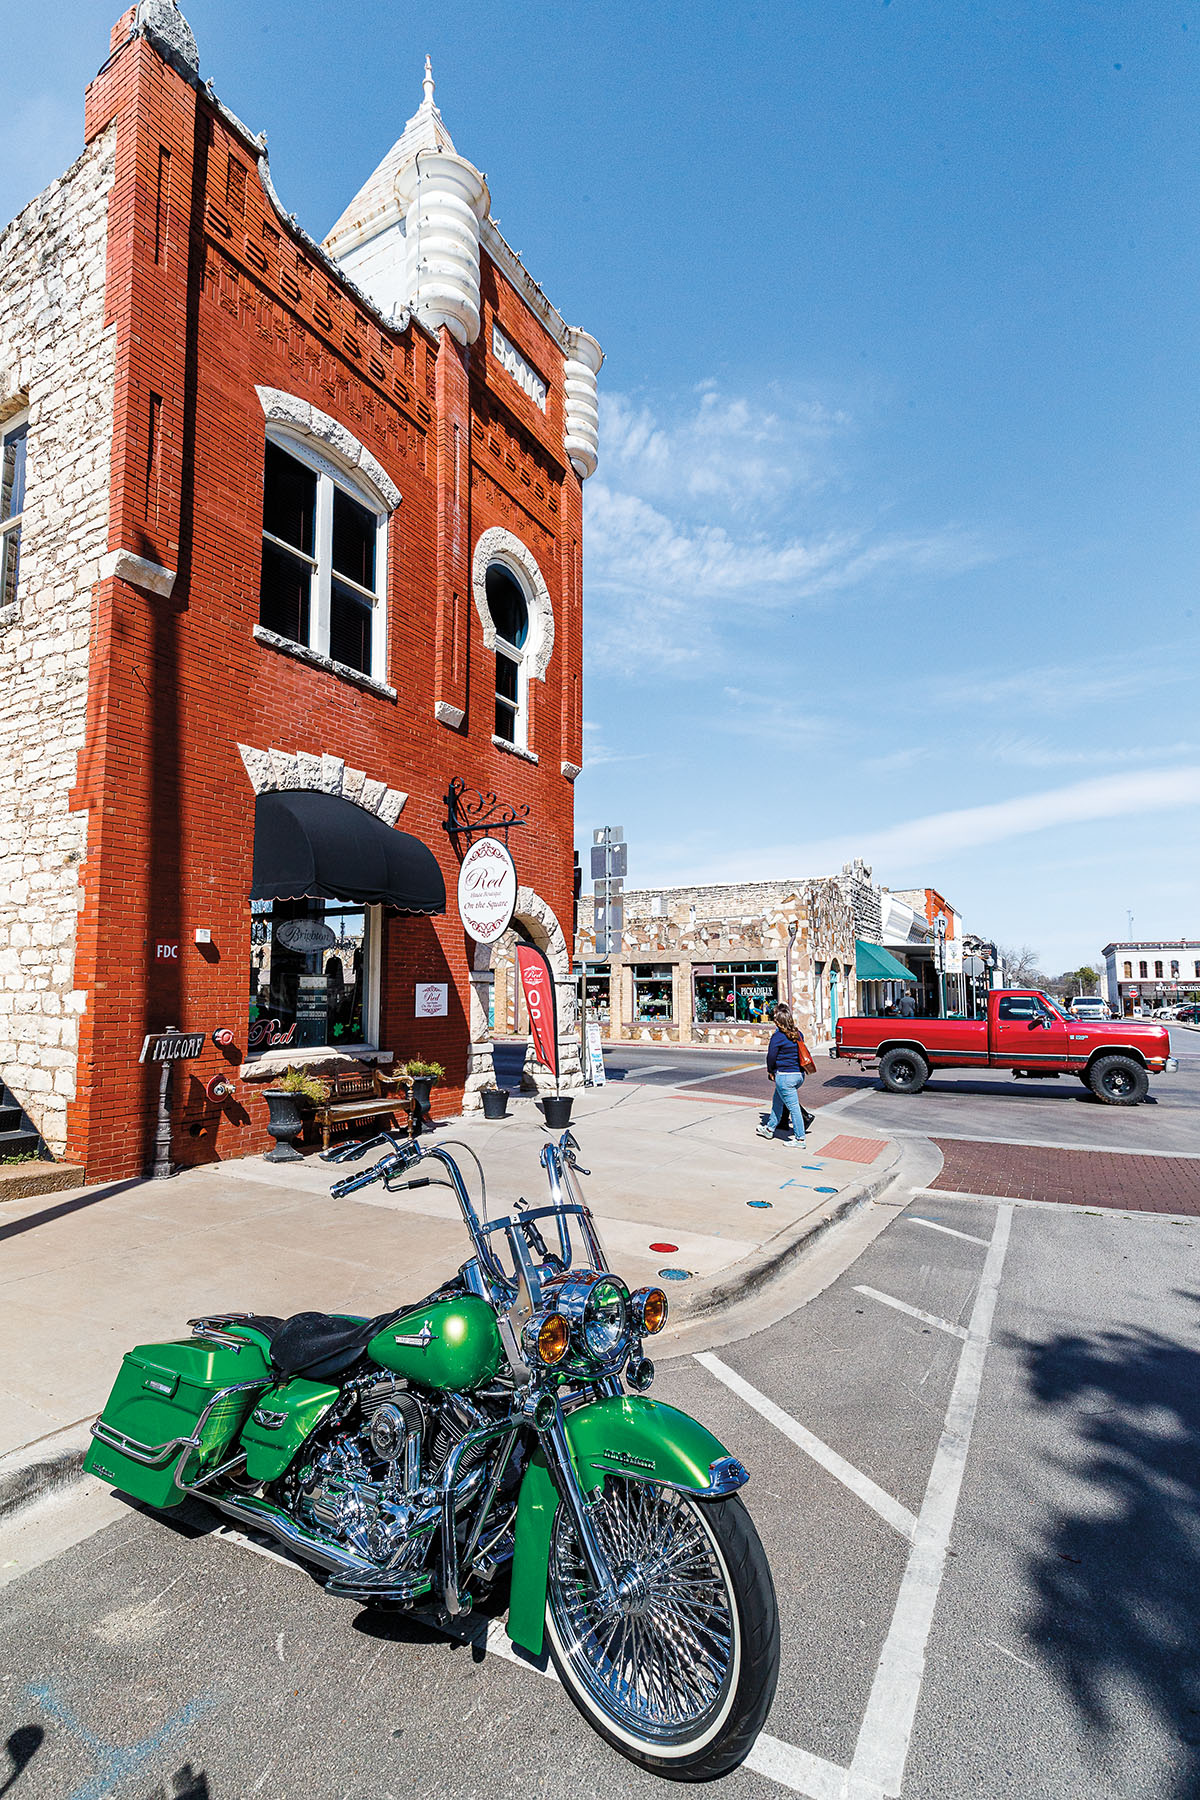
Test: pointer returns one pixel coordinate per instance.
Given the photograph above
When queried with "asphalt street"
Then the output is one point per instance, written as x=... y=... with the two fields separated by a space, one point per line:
x=983 y=1529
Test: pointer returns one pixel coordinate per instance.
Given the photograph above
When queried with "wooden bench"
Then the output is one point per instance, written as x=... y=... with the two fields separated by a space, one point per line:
x=357 y=1095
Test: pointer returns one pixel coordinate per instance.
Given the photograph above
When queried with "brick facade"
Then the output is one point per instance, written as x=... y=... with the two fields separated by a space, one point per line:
x=213 y=301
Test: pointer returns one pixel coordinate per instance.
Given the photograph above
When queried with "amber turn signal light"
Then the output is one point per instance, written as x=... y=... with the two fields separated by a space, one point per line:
x=553 y=1338
x=649 y=1310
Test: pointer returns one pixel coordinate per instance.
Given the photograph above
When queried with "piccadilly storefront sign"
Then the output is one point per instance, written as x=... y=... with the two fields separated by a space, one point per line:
x=487 y=890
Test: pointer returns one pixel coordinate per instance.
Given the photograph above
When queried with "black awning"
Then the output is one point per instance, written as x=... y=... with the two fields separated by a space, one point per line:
x=314 y=846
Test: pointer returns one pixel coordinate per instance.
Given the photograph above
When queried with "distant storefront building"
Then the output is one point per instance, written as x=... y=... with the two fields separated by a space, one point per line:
x=1142 y=975
x=705 y=965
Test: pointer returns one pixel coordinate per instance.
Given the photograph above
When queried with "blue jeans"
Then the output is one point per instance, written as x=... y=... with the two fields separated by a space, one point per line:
x=788 y=1083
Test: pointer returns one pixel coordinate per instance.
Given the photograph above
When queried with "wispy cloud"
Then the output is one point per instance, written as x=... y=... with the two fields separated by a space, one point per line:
x=1039 y=753
x=691 y=533
x=1057 y=686
x=725 y=450
x=921 y=842
x=597 y=753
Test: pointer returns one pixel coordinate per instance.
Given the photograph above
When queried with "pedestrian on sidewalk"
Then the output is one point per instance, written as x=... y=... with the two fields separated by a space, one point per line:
x=787 y=1054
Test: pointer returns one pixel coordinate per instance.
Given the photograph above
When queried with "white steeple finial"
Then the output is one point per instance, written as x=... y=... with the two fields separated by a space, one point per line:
x=427 y=84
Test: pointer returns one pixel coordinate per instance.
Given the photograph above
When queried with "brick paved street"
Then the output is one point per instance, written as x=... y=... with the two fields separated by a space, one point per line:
x=1167 y=1184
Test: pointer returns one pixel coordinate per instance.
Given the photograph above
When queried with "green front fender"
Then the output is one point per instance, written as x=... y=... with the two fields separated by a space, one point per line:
x=629 y=1435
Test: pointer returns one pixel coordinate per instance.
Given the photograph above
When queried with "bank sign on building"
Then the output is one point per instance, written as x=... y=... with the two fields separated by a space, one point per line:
x=290 y=546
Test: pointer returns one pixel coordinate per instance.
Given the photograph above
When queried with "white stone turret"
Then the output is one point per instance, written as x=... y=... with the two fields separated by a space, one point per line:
x=410 y=237
x=581 y=438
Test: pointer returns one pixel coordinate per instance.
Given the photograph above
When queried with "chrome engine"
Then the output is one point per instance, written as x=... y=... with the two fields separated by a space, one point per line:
x=374 y=1485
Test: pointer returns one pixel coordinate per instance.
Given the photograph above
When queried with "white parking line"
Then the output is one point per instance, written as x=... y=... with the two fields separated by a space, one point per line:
x=873 y=1496
x=932 y=1225
x=914 y=1312
x=882 y=1748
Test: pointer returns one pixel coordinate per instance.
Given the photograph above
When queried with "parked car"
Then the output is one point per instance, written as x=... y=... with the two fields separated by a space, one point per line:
x=1088 y=1006
x=1025 y=1031
x=1189 y=1014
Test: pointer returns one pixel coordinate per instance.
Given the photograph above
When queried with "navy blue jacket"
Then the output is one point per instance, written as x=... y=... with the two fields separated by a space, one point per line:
x=782 y=1053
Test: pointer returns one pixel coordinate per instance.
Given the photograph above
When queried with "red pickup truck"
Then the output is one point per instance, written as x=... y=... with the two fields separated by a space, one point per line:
x=1025 y=1031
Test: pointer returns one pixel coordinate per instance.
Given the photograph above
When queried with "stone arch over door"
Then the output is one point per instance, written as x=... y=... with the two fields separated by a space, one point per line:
x=498 y=962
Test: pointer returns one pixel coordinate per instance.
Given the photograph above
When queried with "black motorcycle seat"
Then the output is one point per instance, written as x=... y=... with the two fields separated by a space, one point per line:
x=320 y=1346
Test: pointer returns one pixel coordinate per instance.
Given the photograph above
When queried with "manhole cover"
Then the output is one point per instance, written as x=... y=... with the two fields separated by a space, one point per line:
x=675 y=1274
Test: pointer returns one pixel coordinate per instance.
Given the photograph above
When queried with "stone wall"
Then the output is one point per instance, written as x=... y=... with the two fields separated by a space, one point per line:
x=57 y=359
x=743 y=922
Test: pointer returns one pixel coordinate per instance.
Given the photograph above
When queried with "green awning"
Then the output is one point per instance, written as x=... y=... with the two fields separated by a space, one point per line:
x=873 y=963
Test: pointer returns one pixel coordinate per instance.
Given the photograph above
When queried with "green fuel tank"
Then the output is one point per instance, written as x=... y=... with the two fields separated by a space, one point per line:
x=452 y=1344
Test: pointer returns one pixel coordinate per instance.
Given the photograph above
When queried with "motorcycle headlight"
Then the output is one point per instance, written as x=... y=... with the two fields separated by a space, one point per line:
x=606 y=1318
x=648 y=1307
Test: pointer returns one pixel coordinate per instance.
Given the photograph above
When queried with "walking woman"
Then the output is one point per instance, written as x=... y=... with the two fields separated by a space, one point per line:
x=787 y=1054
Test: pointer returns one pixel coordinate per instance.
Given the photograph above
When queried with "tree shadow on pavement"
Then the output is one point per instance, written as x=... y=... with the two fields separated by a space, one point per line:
x=1118 y=1584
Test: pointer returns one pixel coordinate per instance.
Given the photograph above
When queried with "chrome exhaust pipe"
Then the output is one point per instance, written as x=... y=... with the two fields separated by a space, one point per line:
x=264 y=1517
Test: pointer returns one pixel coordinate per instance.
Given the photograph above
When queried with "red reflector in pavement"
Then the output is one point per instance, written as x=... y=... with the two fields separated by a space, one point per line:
x=664 y=1249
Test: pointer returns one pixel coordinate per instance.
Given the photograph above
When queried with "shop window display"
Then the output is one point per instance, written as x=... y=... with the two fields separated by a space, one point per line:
x=736 y=993
x=308 y=973
x=653 y=993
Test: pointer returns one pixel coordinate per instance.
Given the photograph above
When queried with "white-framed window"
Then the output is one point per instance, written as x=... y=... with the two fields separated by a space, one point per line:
x=508 y=605
x=324 y=558
x=13 y=439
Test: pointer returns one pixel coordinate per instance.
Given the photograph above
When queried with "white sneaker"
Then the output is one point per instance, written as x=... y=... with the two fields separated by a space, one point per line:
x=763 y=1131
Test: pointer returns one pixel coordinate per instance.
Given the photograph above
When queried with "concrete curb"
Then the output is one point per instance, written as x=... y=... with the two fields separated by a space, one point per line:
x=776 y=1257
x=23 y=1181
x=35 y=1470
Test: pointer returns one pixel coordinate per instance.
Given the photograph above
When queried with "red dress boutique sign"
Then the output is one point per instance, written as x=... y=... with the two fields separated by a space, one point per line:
x=487 y=890
x=537 y=984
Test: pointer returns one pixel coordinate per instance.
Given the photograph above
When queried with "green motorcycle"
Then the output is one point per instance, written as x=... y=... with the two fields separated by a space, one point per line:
x=499 y=1427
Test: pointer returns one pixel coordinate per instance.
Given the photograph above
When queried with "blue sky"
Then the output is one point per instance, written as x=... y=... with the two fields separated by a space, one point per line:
x=894 y=542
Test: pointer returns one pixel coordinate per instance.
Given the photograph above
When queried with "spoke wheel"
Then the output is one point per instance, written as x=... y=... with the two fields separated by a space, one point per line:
x=679 y=1673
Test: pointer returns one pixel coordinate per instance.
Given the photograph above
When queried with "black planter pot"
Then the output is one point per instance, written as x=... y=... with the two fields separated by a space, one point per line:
x=285 y=1125
x=495 y=1103
x=557 y=1110
x=422 y=1091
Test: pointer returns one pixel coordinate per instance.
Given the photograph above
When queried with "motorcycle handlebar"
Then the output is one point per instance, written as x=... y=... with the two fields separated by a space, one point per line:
x=340 y=1189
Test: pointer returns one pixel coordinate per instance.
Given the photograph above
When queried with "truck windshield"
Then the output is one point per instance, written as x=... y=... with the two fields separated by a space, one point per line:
x=1055 y=1008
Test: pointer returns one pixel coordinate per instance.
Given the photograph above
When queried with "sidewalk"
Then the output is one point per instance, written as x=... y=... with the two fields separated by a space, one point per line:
x=85 y=1275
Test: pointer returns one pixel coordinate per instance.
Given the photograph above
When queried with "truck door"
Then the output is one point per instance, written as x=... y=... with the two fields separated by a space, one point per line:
x=1027 y=1035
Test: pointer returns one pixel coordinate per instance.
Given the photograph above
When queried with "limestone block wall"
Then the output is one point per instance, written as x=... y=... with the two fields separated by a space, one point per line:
x=57 y=360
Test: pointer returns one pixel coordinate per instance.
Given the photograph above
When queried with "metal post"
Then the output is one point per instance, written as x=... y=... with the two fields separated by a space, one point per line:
x=793 y=928
x=162 y=1132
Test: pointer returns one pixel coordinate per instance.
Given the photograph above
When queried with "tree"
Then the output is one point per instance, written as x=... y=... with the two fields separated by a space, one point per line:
x=1083 y=980
x=1021 y=966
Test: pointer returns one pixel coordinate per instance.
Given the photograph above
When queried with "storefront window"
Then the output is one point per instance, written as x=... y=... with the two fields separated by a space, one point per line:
x=596 y=993
x=653 y=992
x=740 y=993
x=308 y=973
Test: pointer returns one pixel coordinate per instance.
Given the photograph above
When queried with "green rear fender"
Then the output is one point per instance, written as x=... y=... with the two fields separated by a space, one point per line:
x=626 y=1436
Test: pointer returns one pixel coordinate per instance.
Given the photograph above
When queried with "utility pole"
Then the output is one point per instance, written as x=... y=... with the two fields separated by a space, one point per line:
x=939 y=926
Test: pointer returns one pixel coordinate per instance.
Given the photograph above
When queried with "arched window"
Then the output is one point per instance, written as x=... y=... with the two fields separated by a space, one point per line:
x=1158 y=971
x=1129 y=971
x=509 y=610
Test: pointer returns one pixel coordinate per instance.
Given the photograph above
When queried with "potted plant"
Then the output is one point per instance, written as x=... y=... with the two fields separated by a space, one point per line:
x=422 y=1079
x=288 y=1102
x=495 y=1102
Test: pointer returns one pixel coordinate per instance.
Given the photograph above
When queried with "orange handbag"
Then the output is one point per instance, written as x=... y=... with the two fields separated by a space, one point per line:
x=806 y=1061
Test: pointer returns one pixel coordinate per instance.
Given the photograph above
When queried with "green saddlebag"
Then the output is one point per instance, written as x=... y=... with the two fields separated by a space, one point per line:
x=158 y=1398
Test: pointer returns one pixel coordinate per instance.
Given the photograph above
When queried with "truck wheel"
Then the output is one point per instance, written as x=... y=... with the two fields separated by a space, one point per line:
x=903 y=1071
x=1118 y=1081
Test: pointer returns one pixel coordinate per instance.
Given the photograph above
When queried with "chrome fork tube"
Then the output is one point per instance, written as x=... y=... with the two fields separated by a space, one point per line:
x=563 y=1469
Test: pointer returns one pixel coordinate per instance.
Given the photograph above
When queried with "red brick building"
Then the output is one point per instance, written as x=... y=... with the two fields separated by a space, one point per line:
x=299 y=542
